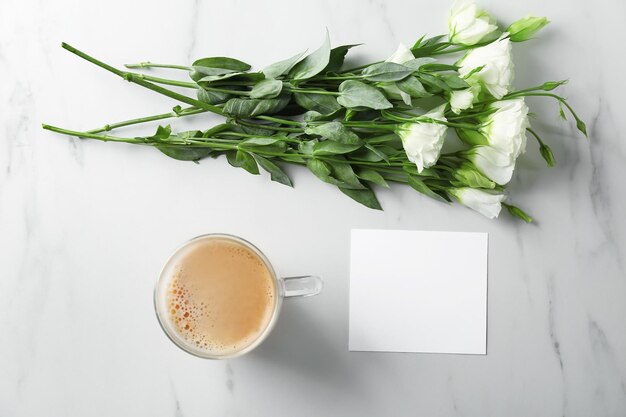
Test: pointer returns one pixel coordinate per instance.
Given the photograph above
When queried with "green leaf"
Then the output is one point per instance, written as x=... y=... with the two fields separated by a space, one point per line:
x=417 y=63
x=386 y=71
x=343 y=172
x=386 y=138
x=321 y=103
x=222 y=62
x=428 y=46
x=355 y=94
x=276 y=173
x=337 y=56
x=313 y=64
x=413 y=87
x=306 y=147
x=454 y=81
x=319 y=168
x=267 y=89
x=436 y=85
x=365 y=197
x=336 y=173
x=368 y=154
x=256 y=129
x=330 y=147
x=242 y=107
x=184 y=153
x=265 y=144
x=435 y=66
x=242 y=159
x=313 y=116
x=518 y=212
x=211 y=97
x=233 y=76
x=281 y=67
x=334 y=131
x=162 y=132
x=429 y=42
x=378 y=152
x=420 y=186
x=259 y=142
x=372 y=176
x=198 y=72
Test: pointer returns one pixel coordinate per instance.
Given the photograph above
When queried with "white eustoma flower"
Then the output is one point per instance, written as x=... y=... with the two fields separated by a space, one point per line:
x=505 y=128
x=497 y=67
x=422 y=141
x=468 y=24
x=495 y=165
x=402 y=55
x=486 y=203
x=464 y=99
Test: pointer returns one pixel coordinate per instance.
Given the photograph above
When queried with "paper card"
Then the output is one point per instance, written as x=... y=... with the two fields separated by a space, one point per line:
x=413 y=291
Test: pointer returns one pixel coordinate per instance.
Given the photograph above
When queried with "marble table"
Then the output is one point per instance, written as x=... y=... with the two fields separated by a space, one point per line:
x=85 y=226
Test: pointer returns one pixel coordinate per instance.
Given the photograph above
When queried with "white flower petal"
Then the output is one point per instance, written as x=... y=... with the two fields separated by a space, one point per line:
x=461 y=100
x=497 y=72
x=494 y=164
x=422 y=141
x=505 y=129
x=402 y=55
x=487 y=204
x=468 y=24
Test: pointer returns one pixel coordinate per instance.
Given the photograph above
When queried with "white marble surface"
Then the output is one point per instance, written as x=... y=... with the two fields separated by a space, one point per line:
x=85 y=226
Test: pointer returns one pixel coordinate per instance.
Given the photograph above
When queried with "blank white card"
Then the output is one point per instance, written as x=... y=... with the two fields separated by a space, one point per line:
x=413 y=291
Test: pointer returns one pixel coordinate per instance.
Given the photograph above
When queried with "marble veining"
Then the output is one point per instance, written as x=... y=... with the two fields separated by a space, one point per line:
x=85 y=226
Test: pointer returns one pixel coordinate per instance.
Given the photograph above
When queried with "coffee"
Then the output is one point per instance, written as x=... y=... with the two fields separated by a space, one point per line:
x=220 y=297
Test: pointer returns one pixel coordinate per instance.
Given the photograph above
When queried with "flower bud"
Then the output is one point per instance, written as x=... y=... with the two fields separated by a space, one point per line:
x=547 y=154
x=526 y=27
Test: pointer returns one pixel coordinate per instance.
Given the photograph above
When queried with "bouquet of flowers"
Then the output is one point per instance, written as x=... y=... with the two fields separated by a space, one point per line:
x=357 y=128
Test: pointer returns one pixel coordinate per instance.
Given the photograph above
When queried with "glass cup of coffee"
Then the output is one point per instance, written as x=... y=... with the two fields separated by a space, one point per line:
x=218 y=296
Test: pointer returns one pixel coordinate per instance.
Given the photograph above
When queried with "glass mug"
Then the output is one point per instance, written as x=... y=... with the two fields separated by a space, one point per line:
x=300 y=286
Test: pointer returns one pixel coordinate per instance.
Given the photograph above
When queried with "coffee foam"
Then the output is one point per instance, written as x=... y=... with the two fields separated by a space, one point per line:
x=220 y=297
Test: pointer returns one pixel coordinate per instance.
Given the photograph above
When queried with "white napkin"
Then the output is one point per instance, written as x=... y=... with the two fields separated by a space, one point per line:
x=413 y=291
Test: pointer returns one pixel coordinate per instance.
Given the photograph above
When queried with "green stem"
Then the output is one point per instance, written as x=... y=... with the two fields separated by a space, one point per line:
x=366 y=125
x=279 y=120
x=536 y=136
x=227 y=91
x=391 y=116
x=105 y=138
x=166 y=81
x=135 y=79
x=151 y=65
x=184 y=112
x=579 y=123
x=275 y=128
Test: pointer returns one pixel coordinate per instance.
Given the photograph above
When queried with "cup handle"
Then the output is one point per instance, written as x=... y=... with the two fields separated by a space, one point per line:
x=302 y=286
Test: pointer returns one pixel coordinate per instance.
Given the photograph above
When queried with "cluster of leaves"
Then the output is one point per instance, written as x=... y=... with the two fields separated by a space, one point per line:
x=309 y=110
x=338 y=131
